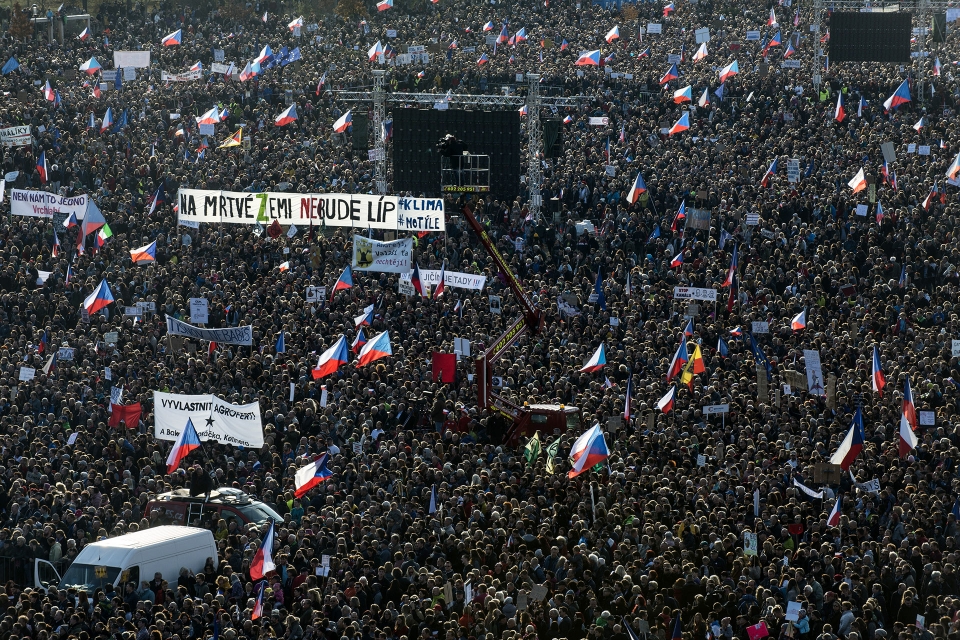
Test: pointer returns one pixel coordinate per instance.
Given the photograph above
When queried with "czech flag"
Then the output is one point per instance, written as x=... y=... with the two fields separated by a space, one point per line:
x=704 y=99
x=210 y=117
x=772 y=19
x=639 y=187
x=378 y=347
x=731 y=272
x=147 y=253
x=790 y=51
x=667 y=10
x=859 y=182
x=839 y=114
x=677 y=633
x=257 y=612
x=678 y=362
x=588 y=450
x=296 y=23
x=677 y=261
x=863 y=103
x=936 y=66
x=375 y=51
x=265 y=55
x=84 y=35
x=683 y=95
x=523 y=109
x=344 y=122
x=627 y=409
x=100 y=298
x=680 y=125
x=681 y=215
x=331 y=359
x=504 y=35
x=597 y=361
x=55 y=251
x=48 y=92
x=701 y=53
x=665 y=404
x=954 y=168
x=173 y=39
x=908 y=439
x=311 y=475
x=442 y=285
x=899 y=97
x=729 y=71
x=197 y=66
x=359 y=341
x=345 y=281
x=644 y=54
x=799 y=322
x=489 y=26
x=483 y=59
x=107 y=120
x=90 y=67
x=774 y=42
x=672 y=74
x=365 y=318
x=851 y=445
x=384 y=5
x=919 y=125
x=589 y=58
x=42 y=167
x=688 y=330
x=262 y=563
x=771 y=171
x=250 y=71
x=187 y=441
x=909 y=409
x=736 y=332
x=288 y=116
x=613 y=34
x=834 y=518
x=415 y=279
x=521 y=35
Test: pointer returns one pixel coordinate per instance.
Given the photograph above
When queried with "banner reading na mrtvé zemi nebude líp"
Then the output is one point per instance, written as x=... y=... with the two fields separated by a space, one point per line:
x=392 y=213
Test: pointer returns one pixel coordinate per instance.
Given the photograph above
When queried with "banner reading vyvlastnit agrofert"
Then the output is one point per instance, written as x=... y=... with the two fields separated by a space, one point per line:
x=393 y=213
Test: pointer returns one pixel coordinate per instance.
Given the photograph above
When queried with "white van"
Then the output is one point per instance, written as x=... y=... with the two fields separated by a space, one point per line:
x=133 y=557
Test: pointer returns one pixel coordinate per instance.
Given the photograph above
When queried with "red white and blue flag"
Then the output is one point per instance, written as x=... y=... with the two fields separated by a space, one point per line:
x=909 y=408
x=173 y=39
x=639 y=187
x=99 y=299
x=728 y=281
x=187 y=441
x=312 y=475
x=345 y=281
x=852 y=443
x=331 y=359
x=597 y=361
x=589 y=58
x=799 y=322
x=877 y=377
x=771 y=171
x=262 y=563
x=359 y=341
x=378 y=347
x=834 y=518
x=588 y=450
x=258 y=604
x=679 y=360
x=680 y=125
x=899 y=97
x=665 y=404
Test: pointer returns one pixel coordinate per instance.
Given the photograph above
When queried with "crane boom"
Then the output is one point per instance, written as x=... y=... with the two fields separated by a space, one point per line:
x=531 y=321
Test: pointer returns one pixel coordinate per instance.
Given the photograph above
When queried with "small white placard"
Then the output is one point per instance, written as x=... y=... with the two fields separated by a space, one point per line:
x=924 y=150
x=753 y=219
x=199 y=313
x=654 y=27
x=753 y=35
x=912 y=147
x=793 y=611
x=861 y=209
x=73 y=438
x=27 y=374
x=927 y=418
x=208 y=129
x=759 y=326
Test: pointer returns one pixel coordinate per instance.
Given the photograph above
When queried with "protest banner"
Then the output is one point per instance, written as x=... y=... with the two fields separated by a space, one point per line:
x=213 y=418
x=16 y=136
x=235 y=335
x=374 y=255
x=134 y=59
x=41 y=204
x=431 y=277
x=393 y=213
x=186 y=76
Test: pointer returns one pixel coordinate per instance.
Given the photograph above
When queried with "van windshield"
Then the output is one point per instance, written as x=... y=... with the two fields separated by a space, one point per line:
x=89 y=577
x=259 y=513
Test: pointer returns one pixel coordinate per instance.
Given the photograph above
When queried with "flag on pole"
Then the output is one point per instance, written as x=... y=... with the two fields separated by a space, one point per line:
x=312 y=475
x=187 y=441
x=899 y=97
x=833 y=519
x=877 y=378
x=852 y=443
x=588 y=450
x=262 y=562
x=331 y=359
x=597 y=361
x=172 y=40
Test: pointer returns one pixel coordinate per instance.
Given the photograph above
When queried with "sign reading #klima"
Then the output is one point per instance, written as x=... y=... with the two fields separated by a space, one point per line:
x=362 y=211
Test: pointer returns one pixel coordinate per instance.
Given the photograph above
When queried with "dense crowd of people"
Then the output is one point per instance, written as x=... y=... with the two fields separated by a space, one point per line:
x=696 y=527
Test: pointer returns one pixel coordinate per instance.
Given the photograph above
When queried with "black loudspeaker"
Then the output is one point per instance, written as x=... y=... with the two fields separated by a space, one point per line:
x=939 y=27
x=552 y=137
x=870 y=37
x=361 y=140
